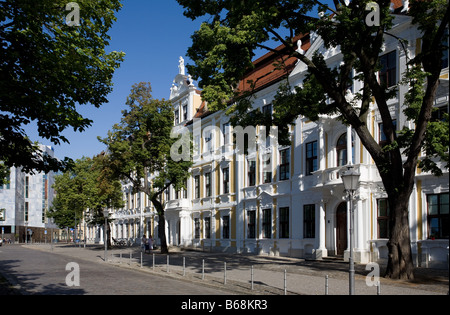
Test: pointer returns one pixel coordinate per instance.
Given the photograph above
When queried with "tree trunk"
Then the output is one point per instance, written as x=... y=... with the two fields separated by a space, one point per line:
x=162 y=233
x=161 y=225
x=400 y=263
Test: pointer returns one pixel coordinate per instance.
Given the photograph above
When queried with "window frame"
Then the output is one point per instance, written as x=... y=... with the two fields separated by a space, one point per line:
x=225 y=180
x=266 y=223
x=310 y=159
x=285 y=162
x=208 y=184
x=440 y=217
x=284 y=222
x=251 y=224
x=388 y=70
x=225 y=227
x=383 y=218
x=309 y=221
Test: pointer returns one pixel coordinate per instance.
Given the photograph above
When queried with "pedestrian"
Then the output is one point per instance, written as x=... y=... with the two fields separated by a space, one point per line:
x=150 y=243
x=143 y=243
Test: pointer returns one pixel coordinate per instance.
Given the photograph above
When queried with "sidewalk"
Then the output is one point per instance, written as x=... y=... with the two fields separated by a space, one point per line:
x=302 y=277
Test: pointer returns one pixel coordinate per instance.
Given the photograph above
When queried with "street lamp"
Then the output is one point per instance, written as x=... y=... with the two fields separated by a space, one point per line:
x=350 y=178
x=105 y=214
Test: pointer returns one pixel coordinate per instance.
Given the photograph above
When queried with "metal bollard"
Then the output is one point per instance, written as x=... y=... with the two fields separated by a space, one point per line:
x=120 y=258
x=326 y=285
x=184 y=266
x=225 y=273
x=203 y=269
x=285 y=283
x=141 y=259
x=167 y=263
x=378 y=288
x=153 y=266
x=130 y=257
x=251 y=277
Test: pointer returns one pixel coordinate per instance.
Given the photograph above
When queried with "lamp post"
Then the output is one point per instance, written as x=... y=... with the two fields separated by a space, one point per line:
x=105 y=214
x=350 y=178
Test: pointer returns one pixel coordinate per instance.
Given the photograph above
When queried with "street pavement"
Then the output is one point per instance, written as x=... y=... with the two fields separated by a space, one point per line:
x=33 y=271
x=271 y=275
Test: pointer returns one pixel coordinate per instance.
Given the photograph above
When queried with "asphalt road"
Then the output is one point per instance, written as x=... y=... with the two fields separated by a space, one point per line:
x=44 y=273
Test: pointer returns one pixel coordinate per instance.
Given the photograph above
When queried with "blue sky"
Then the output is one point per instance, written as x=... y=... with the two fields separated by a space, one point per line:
x=153 y=34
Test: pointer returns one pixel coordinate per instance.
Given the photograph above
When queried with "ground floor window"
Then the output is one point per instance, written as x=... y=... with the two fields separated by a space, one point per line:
x=196 y=228
x=284 y=222
x=437 y=205
x=267 y=223
x=251 y=224
x=309 y=221
x=383 y=218
x=226 y=227
x=208 y=227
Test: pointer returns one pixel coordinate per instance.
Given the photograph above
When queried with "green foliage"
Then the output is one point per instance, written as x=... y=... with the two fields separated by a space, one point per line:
x=47 y=69
x=139 y=147
x=89 y=185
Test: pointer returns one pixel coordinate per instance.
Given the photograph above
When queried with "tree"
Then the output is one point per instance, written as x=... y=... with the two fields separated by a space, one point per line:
x=223 y=49
x=87 y=186
x=47 y=69
x=139 y=149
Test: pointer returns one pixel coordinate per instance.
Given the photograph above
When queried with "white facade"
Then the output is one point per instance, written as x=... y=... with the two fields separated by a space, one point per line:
x=25 y=201
x=295 y=205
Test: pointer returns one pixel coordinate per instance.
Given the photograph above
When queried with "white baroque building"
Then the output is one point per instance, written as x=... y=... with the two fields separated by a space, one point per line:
x=290 y=201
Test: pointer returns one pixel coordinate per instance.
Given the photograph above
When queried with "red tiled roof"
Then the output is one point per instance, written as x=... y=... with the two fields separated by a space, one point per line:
x=265 y=71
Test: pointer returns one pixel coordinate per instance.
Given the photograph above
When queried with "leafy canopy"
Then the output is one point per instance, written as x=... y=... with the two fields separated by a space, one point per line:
x=47 y=70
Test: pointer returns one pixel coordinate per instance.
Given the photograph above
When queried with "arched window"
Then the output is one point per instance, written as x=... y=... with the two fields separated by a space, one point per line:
x=341 y=150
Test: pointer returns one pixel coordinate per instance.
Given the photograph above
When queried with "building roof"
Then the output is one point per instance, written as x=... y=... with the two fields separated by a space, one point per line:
x=266 y=70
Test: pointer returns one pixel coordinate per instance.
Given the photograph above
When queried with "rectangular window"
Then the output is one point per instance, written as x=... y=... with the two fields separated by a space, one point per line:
x=383 y=218
x=208 y=184
x=185 y=112
x=267 y=171
x=438 y=219
x=284 y=222
x=226 y=180
x=267 y=223
x=285 y=157
x=309 y=221
x=197 y=186
x=208 y=227
x=311 y=158
x=177 y=117
x=27 y=187
x=388 y=72
x=381 y=136
x=251 y=173
x=226 y=133
x=196 y=228
x=26 y=211
x=226 y=227
x=167 y=197
x=251 y=224
x=7 y=182
x=267 y=110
